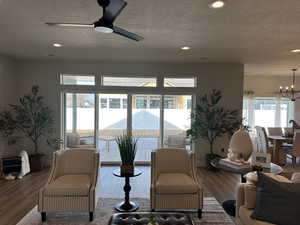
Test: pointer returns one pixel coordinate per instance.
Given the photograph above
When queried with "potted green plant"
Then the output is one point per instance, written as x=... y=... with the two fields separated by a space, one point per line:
x=127 y=148
x=32 y=119
x=211 y=121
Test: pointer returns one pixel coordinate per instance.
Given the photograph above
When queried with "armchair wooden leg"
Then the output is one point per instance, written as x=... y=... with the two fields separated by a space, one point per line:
x=91 y=216
x=199 y=213
x=44 y=217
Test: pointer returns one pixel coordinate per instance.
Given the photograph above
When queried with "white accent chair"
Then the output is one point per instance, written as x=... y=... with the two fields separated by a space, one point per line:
x=72 y=184
x=174 y=185
x=262 y=140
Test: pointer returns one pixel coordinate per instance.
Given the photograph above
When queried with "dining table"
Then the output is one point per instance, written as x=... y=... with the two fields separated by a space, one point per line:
x=277 y=142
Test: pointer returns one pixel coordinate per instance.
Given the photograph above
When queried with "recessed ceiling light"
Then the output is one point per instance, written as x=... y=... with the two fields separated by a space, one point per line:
x=216 y=4
x=295 y=50
x=185 y=48
x=57 y=45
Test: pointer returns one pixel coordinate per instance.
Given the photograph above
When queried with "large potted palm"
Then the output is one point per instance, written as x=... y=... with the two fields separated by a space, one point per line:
x=211 y=121
x=127 y=148
x=31 y=119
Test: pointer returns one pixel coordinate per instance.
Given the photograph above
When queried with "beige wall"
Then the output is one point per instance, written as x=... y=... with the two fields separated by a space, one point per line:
x=226 y=77
x=7 y=94
x=7 y=81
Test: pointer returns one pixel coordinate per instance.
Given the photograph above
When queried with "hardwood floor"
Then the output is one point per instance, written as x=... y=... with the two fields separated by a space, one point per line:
x=18 y=197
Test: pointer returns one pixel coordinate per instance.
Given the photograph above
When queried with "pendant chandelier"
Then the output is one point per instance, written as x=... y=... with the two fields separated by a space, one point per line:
x=289 y=92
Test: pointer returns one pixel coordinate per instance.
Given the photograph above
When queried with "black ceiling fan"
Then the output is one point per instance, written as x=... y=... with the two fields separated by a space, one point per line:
x=111 y=10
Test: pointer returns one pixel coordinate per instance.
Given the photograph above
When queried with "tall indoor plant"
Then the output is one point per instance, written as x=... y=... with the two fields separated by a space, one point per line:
x=211 y=121
x=127 y=148
x=32 y=119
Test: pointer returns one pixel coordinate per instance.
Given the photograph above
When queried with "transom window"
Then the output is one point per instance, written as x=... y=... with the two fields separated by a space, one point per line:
x=77 y=80
x=180 y=82
x=129 y=81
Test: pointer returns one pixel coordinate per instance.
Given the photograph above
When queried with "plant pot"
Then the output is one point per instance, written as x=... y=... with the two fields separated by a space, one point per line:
x=209 y=159
x=127 y=170
x=37 y=162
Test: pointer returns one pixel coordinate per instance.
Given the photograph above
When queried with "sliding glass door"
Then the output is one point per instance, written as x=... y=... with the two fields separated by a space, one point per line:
x=112 y=123
x=96 y=120
x=146 y=124
x=80 y=120
x=177 y=120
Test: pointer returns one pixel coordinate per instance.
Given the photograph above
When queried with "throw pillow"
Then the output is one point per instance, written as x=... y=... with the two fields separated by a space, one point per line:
x=276 y=202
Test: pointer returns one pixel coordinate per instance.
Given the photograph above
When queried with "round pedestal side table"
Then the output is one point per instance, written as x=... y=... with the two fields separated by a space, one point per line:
x=127 y=205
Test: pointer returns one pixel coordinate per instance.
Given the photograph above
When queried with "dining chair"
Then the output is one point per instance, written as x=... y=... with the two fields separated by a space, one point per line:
x=275 y=131
x=294 y=152
x=288 y=130
x=262 y=140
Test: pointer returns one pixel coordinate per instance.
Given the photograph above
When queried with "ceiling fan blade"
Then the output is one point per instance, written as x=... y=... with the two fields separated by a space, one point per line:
x=70 y=25
x=113 y=10
x=127 y=34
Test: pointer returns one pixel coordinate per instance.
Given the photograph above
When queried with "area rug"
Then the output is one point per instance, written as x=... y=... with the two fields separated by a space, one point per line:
x=213 y=214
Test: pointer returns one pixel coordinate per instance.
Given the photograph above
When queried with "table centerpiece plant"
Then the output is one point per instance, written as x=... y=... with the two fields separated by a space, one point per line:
x=127 y=147
x=211 y=121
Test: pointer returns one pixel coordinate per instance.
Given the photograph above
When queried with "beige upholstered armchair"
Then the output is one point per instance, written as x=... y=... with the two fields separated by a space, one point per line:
x=246 y=200
x=71 y=186
x=174 y=184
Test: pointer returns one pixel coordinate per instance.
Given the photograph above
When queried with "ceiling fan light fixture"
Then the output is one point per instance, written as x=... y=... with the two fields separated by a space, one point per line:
x=216 y=4
x=102 y=27
x=105 y=30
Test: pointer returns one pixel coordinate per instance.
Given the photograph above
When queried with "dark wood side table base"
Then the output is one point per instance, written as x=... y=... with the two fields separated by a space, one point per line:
x=127 y=206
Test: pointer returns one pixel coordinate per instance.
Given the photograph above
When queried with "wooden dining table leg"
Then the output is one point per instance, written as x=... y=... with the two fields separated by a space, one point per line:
x=278 y=154
x=275 y=154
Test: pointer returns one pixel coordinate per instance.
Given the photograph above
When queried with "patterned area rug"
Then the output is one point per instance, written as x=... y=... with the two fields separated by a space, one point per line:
x=213 y=214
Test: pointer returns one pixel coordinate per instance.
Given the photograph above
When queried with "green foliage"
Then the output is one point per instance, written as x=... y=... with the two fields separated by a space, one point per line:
x=31 y=118
x=211 y=121
x=127 y=148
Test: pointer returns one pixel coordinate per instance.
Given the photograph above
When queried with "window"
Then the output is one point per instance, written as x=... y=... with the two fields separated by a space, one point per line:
x=77 y=80
x=267 y=112
x=114 y=103
x=129 y=81
x=154 y=102
x=103 y=103
x=169 y=102
x=180 y=82
x=189 y=103
x=124 y=101
x=141 y=102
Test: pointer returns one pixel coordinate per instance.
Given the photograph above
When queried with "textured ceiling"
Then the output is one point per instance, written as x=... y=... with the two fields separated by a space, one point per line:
x=259 y=33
